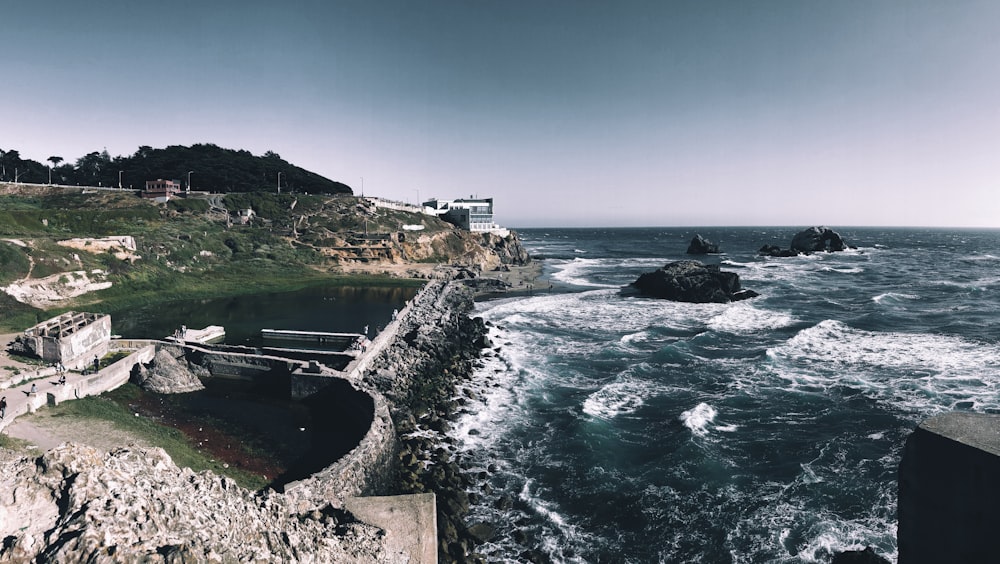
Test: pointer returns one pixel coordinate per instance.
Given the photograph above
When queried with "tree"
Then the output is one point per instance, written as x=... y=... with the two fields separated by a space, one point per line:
x=55 y=162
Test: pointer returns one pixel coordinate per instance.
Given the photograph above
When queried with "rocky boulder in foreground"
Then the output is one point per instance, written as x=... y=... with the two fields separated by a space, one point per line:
x=77 y=504
x=692 y=281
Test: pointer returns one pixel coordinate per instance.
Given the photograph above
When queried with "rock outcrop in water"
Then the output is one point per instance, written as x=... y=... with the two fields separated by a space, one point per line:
x=817 y=239
x=702 y=246
x=692 y=281
x=811 y=240
x=169 y=374
x=77 y=504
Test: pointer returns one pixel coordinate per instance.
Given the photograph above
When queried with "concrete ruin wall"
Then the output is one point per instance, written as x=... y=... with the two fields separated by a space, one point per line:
x=108 y=378
x=949 y=490
x=364 y=470
x=72 y=338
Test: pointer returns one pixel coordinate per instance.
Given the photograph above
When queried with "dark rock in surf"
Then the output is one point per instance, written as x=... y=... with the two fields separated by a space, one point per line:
x=817 y=239
x=702 y=246
x=482 y=532
x=812 y=240
x=776 y=251
x=692 y=281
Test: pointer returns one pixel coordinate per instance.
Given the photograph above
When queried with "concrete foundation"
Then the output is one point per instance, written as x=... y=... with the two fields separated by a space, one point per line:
x=949 y=490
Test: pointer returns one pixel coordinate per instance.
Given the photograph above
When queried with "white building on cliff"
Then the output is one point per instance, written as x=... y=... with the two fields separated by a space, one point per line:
x=473 y=214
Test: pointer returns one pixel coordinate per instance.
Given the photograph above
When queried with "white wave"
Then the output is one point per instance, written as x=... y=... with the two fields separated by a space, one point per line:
x=843 y=270
x=919 y=372
x=742 y=317
x=576 y=271
x=590 y=319
x=894 y=297
x=698 y=418
x=986 y=257
x=831 y=535
x=561 y=531
x=809 y=475
x=616 y=398
x=580 y=251
x=581 y=271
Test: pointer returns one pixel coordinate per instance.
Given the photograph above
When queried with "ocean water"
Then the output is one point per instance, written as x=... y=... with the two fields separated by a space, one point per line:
x=623 y=429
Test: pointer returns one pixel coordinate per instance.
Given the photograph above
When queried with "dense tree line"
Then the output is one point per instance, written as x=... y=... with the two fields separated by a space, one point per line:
x=208 y=167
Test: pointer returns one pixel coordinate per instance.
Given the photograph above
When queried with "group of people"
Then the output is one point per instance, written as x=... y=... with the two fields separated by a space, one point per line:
x=360 y=344
x=61 y=370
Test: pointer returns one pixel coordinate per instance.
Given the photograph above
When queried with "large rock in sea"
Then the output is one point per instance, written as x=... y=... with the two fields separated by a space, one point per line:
x=814 y=239
x=167 y=374
x=702 y=246
x=818 y=239
x=692 y=281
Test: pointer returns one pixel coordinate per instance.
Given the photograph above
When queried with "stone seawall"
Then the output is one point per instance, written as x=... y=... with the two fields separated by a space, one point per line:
x=398 y=363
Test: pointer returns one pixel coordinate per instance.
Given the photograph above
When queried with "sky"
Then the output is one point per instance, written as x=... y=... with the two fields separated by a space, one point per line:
x=567 y=113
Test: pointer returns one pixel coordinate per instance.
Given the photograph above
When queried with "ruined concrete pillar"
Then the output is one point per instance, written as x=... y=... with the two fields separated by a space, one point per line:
x=949 y=490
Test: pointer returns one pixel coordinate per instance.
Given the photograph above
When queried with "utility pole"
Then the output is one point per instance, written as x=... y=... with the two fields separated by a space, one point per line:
x=279 y=181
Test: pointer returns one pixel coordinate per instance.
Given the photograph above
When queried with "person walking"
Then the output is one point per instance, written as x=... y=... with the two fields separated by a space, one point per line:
x=3 y=407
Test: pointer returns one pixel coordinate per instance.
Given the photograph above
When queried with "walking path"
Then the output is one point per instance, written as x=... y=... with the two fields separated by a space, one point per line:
x=32 y=394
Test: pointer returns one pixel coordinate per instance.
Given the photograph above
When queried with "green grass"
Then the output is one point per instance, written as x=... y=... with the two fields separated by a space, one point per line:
x=112 y=407
x=12 y=443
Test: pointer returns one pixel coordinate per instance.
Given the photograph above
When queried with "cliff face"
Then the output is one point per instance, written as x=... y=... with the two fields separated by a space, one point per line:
x=75 y=504
x=486 y=251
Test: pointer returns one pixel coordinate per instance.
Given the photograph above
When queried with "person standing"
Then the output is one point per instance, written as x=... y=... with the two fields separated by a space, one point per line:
x=3 y=407
x=97 y=363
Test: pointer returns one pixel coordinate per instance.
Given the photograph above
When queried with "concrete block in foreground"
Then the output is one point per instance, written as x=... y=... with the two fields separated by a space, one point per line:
x=949 y=490
x=409 y=521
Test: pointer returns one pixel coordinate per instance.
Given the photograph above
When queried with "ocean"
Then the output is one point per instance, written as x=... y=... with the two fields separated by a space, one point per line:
x=608 y=428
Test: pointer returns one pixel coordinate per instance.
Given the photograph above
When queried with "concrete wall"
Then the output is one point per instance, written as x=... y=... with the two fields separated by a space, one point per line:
x=106 y=379
x=364 y=470
x=77 y=387
x=949 y=490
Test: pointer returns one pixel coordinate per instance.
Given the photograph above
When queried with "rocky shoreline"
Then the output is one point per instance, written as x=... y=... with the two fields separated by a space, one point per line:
x=419 y=374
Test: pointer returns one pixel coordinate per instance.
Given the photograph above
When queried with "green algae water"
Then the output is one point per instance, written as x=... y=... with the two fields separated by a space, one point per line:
x=334 y=309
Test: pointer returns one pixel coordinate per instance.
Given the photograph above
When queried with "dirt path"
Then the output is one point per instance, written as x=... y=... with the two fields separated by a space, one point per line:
x=43 y=431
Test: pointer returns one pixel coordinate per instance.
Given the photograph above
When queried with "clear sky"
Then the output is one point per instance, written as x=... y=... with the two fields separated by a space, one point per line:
x=568 y=113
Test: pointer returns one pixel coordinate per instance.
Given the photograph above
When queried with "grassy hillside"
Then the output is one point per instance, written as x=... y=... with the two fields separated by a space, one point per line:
x=191 y=247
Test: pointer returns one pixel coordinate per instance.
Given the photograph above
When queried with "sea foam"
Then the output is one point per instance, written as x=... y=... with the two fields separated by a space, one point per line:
x=698 y=418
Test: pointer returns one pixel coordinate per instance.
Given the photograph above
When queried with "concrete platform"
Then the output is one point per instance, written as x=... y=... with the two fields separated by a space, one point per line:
x=409 y=521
